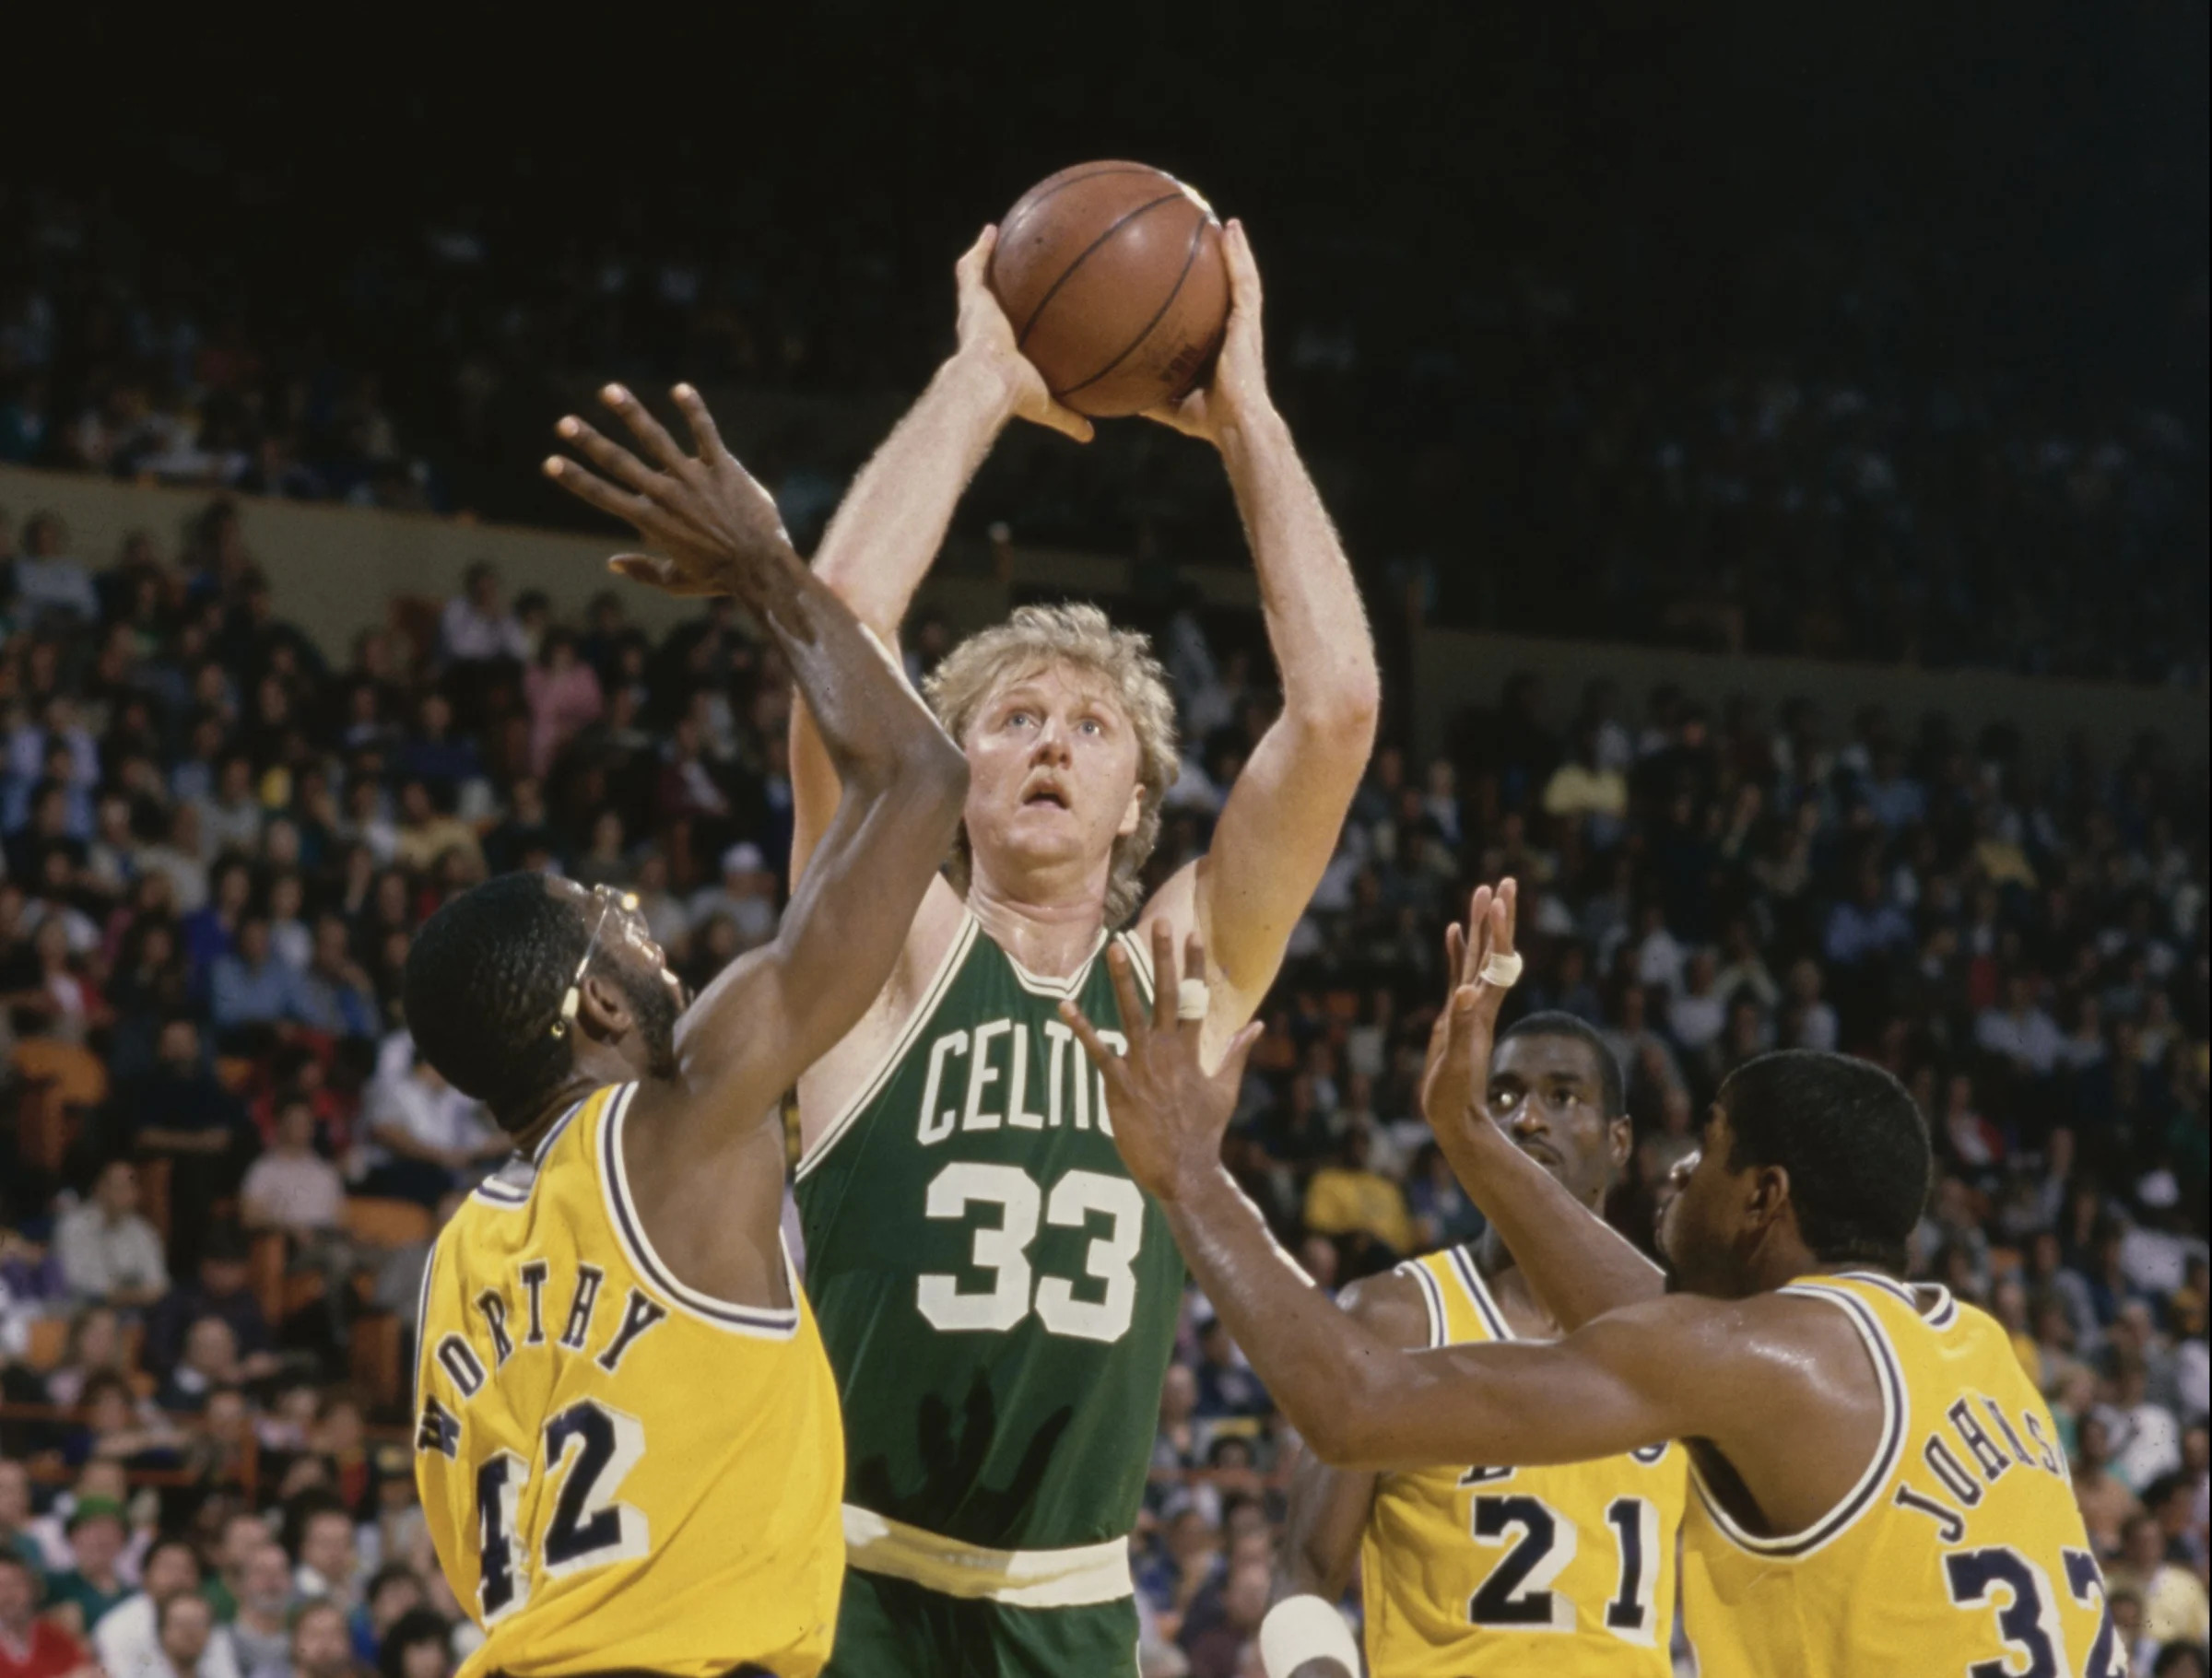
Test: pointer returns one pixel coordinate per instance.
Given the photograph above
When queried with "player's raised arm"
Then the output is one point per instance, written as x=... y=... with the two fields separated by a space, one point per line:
x=1283 y=817
x=901 y=781
x=1578 y=1265
x=886 y=531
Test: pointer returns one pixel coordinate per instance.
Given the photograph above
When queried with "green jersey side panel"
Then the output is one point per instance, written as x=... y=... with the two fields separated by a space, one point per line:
x=998 y=1298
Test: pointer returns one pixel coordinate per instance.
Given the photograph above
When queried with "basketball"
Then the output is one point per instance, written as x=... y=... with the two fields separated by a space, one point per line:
x=1112 y=276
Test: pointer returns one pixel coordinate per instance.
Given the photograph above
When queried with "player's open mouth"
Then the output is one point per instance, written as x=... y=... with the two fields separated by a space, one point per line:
x=1046 y=795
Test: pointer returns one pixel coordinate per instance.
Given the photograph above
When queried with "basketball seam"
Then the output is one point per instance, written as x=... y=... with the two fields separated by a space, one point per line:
x=1119 y=222
x=1189 y=256
x=1011 y=223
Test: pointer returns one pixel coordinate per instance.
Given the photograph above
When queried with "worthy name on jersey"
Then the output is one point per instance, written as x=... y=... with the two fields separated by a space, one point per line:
x=1977 y=1445
x=516 y=1324
x=979 y=1078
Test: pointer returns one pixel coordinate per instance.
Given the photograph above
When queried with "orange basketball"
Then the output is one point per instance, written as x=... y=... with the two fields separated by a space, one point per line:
x=1113 y=278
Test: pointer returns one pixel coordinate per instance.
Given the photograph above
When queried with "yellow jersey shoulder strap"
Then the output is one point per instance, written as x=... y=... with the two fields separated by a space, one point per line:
x=1851 y=1294
x=1461 y=1309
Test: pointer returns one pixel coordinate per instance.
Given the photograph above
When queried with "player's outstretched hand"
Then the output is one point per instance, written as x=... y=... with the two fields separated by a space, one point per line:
x=1458 y=1071
x=1168 y=1112
x=705 y=512
x=987 y=339
x=1237 y=393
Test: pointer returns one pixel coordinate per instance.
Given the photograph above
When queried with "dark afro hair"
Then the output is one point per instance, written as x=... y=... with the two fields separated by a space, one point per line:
x=483 y=988
x=1553 y=1023
x=1853 y=1142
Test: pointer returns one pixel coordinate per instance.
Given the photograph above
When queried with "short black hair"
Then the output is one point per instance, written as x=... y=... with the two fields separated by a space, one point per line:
x=483 y=986
x=1554 y=1022
x=1852 y=1139
x=411 y=1630
x=171 y=1541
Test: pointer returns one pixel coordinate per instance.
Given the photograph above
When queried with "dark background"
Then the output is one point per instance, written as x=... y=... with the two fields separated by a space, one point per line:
x=1540 y=237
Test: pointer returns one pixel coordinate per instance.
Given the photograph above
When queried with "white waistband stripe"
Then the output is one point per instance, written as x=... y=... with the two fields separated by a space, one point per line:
x=1021 y=1578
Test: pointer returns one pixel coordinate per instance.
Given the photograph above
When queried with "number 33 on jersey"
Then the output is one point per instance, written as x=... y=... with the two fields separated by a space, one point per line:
x=607 y=1459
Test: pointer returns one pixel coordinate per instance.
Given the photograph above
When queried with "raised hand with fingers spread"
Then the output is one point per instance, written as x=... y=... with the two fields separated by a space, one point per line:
x=718 y=529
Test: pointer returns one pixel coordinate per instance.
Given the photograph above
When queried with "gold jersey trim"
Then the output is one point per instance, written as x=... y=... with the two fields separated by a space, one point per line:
x=1890 y=1377
x=762 y=1322
x=1478 y=1293
x=1075 y=1578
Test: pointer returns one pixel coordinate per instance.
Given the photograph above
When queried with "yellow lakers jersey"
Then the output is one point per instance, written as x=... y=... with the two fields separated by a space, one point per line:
x=1471 y=1572
x=1960 y=1550
x=619 y=1470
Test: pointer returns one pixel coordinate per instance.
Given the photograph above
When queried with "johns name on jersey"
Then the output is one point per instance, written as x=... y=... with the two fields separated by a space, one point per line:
x=1994 y=1449
x=978 y=1079
x=522 y=1313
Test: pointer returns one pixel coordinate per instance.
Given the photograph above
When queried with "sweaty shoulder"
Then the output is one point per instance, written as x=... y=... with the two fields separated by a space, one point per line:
x=1768 y=1339
x=828 y=1086
x=1391 y=1307
x=1783 y=1387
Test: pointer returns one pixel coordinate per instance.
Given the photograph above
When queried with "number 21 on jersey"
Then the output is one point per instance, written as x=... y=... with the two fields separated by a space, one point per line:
x=1539 y=1543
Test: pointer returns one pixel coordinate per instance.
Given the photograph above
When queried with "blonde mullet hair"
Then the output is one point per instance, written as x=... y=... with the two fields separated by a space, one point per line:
x=1081 y=638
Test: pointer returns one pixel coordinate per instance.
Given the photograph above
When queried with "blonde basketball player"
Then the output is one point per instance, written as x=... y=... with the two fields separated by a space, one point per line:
x=629 y=1447
x=998 y=1298
x=1478 y=1571
x=1878 y=1486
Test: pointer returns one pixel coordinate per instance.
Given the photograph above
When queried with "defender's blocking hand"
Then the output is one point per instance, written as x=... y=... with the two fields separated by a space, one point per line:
x=713 y=519
x=1168 y=1112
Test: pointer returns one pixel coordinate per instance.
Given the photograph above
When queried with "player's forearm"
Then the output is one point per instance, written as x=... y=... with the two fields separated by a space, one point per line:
x=1579 y=1266
x=1322 y=1529
x=1316 y=624
x=870 y=724
x=1317 y=1364
x=893 y=521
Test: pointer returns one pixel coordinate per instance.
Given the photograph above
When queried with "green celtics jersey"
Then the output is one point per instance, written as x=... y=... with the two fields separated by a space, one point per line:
x=998 y=1298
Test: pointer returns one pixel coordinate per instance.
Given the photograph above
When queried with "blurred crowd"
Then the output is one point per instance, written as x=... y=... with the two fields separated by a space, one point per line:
x=226 y=1163
x=1856 y=498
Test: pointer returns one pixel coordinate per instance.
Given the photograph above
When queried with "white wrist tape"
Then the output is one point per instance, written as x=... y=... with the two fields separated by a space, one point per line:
x=1302 y=1628
x=1502 y=969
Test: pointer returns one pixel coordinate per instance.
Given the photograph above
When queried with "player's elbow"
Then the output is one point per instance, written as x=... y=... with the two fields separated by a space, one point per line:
x=1349 y=1428
x=1339 y=718
x=1336 y=1438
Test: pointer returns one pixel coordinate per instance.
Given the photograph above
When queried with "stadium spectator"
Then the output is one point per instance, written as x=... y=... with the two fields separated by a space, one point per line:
x=33 y=1645
x=320 y=1646
x=291 y=1187
x=425 y=1136
x=2173 y=1599
x=326 y=1563
x=260 y=1627
x=108 y=1253
x=133 y=1637
x=192 y=1645
x=477 y=628
x=92 y=1584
